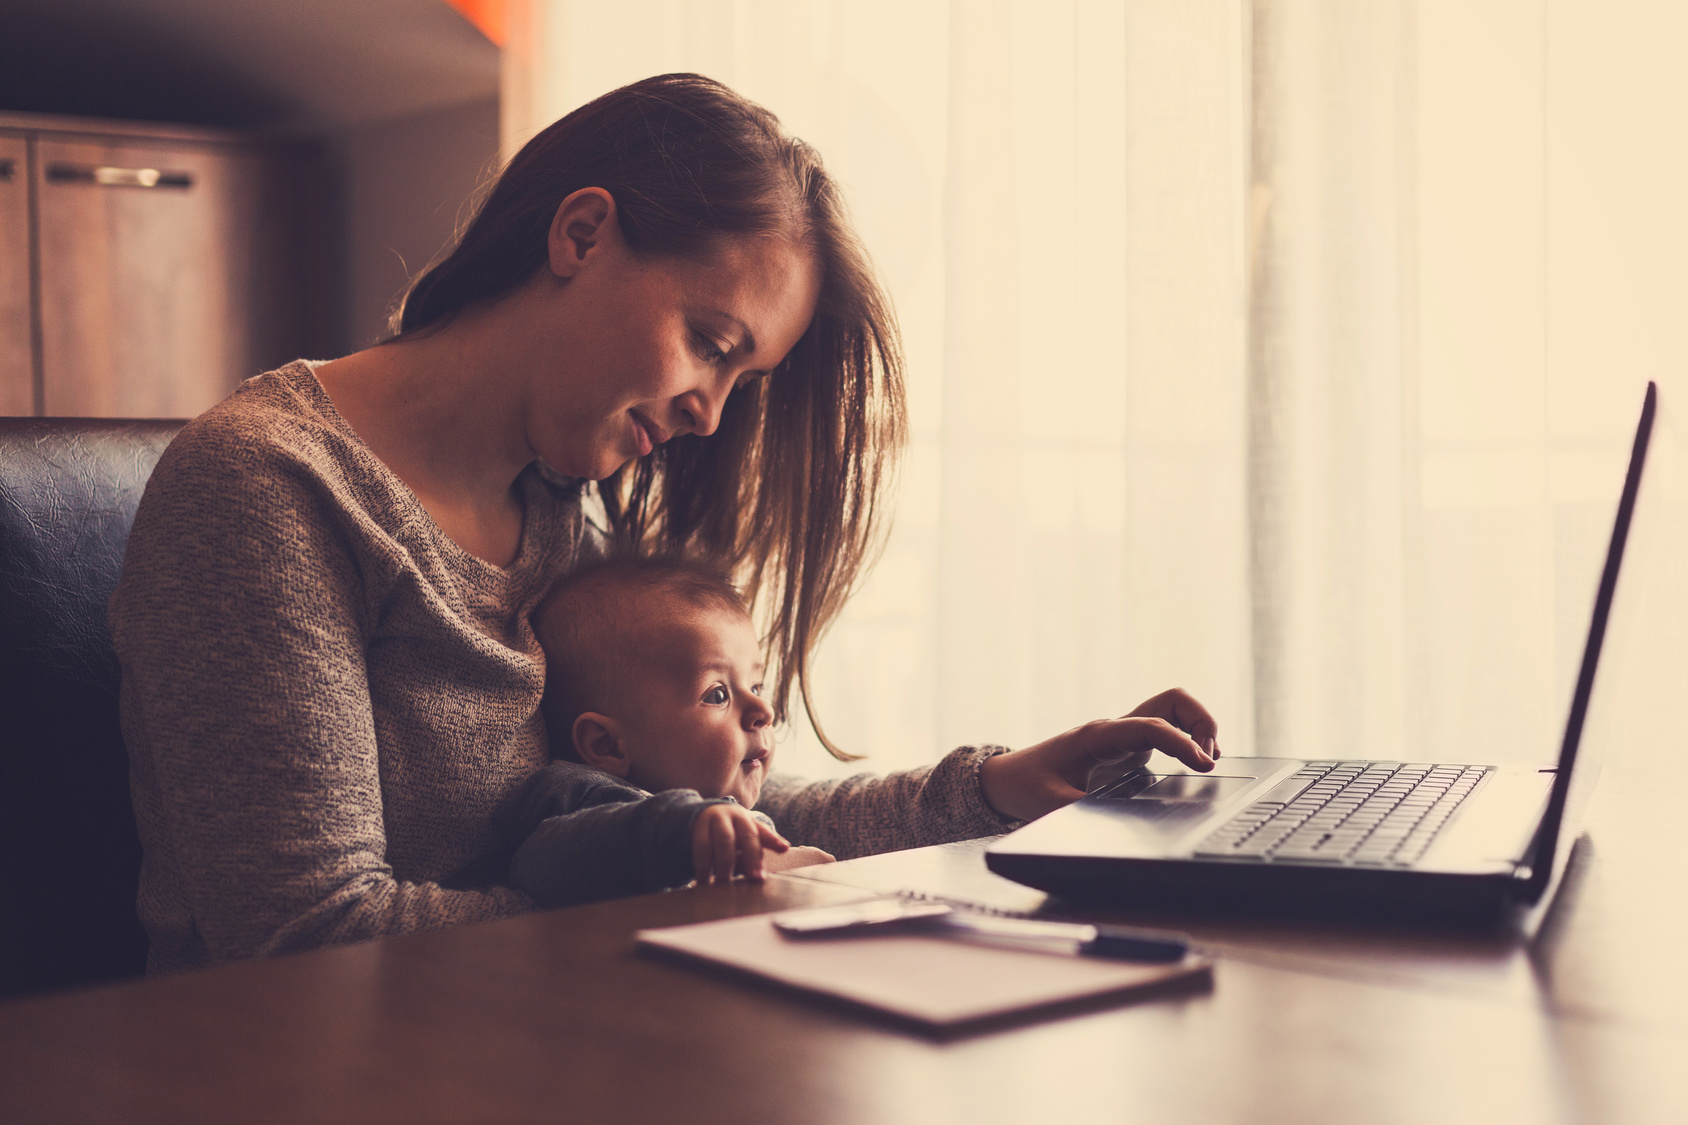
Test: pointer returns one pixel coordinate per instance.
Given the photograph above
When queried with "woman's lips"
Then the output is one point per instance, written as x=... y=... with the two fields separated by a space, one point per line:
x=645 y=433
x=642 y=437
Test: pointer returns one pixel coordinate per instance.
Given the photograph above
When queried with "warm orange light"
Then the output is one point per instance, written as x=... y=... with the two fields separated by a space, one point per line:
x=487 y=15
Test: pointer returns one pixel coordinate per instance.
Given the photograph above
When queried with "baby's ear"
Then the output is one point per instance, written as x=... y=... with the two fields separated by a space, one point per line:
x=597 y=741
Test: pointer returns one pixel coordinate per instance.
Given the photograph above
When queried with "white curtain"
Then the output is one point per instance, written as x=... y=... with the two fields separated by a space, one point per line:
x=1287 y=352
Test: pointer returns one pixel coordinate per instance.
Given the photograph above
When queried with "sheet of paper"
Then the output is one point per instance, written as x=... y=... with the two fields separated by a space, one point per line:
x=936 y=982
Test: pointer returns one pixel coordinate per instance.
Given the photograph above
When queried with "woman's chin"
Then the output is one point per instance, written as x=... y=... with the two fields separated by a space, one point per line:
x=602 y=468
x=612 y=462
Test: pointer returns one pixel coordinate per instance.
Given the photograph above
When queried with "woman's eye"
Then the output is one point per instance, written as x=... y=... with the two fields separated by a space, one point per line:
x=715 y=696
x=707 y=349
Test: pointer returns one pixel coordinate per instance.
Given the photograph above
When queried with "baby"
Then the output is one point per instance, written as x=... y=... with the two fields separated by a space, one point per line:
x=659 y=736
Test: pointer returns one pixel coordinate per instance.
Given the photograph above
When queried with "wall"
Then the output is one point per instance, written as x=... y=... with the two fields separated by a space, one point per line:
x=303 y=66
x=407 y=186
x=391 y=104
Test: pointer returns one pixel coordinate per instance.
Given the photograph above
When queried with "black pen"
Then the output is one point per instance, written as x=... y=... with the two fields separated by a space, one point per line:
x=902 y=915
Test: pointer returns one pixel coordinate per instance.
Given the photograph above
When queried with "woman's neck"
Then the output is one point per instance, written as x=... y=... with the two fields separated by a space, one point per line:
x=442 y=412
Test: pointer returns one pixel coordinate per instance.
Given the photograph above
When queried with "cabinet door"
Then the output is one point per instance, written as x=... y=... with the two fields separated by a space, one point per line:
x=145 y=269
x=17 y=371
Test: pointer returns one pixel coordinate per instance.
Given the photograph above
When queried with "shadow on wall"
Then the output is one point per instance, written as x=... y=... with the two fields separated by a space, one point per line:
x=408 y=184
x=72 y=59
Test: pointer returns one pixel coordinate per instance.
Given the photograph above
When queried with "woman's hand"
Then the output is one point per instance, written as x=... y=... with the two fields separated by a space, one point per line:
x=728 y=841
x=1025 y=784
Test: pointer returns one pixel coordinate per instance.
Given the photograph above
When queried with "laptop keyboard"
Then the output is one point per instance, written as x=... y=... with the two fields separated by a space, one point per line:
x=1371 y=813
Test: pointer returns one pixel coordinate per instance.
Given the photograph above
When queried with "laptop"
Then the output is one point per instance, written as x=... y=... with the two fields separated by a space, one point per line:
x=1433 y=841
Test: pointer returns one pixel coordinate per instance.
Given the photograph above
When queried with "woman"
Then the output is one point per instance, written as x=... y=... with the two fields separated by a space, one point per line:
x=329 y=679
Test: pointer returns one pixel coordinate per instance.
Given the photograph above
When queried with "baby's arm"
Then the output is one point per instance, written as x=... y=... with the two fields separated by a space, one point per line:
x=585 y=836
x=609 y=850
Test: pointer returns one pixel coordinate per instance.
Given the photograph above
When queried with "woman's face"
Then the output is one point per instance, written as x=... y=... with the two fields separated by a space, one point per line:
x=636 y=351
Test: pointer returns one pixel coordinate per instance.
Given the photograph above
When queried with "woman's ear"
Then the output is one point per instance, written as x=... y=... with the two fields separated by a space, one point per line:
x=597 y=742
x=584 y=222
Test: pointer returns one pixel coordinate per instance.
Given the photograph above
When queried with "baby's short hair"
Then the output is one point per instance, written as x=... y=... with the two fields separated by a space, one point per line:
x=584 y=624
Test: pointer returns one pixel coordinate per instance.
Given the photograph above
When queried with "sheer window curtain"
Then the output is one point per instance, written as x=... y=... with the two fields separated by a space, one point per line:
x=1286 y=352
x=1463 y=271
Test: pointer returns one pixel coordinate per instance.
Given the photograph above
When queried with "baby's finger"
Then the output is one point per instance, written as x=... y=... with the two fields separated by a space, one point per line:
x=723 y=839
x=771 y=839
x=703 y=854
x=749 y=848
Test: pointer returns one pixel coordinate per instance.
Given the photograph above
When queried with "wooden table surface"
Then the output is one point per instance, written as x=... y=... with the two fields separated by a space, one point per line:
x=554 y=1017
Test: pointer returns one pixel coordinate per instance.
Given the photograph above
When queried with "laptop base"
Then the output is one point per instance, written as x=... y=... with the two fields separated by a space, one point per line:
x=1429 y=900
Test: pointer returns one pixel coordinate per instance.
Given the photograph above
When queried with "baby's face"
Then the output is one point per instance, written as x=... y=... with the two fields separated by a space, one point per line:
x=695 y=718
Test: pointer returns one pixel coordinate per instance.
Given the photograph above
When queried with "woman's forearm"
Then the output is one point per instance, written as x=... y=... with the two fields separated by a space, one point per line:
x=865 y=814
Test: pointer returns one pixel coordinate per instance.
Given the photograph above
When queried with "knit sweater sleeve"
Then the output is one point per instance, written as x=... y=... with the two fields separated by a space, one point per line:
x=241 y=626
x=865 y=814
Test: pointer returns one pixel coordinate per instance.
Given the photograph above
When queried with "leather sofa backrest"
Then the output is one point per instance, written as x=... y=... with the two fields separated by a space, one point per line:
x=69 y=856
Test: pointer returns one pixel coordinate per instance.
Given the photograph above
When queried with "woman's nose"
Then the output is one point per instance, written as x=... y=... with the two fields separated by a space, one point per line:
x=701 y=411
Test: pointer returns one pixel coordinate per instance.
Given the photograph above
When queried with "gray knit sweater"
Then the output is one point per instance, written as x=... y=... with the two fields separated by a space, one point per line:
x=327 y=701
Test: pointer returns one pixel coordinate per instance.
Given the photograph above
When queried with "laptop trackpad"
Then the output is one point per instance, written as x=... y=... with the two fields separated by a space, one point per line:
x=1182 y=787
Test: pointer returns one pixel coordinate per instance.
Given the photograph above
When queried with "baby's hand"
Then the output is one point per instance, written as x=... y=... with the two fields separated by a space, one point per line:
x=728 y=841
x=796 y=857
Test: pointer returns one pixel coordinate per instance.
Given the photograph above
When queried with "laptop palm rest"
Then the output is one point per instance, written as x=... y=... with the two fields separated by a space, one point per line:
x=1160 y=807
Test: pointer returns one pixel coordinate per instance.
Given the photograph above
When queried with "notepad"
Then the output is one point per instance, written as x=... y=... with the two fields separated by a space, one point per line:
x=923 y=980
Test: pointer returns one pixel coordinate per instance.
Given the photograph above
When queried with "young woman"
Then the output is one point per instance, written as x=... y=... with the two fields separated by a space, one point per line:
x=330 y=682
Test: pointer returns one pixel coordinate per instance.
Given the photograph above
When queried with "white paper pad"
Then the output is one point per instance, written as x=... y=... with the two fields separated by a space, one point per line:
x=933 y=981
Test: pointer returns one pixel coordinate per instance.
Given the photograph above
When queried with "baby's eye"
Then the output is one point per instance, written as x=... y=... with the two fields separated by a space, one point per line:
x=715 y=696
x=755 y=689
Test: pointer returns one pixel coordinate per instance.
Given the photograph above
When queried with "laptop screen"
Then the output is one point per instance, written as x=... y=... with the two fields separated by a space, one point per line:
x=1552 y=843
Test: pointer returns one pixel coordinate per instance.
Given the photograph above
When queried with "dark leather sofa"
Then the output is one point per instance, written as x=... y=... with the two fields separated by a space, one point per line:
x=69 y=856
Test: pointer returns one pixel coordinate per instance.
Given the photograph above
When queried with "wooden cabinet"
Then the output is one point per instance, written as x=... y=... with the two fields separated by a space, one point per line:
x=158 y=269
x=17 y=371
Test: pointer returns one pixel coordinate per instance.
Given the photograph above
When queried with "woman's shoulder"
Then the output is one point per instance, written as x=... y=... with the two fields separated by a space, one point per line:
x=272 y=463
x=278 y=445
x=278 y=419
x=253 y=483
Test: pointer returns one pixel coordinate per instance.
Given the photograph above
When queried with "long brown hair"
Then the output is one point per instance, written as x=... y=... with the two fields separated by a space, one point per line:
x=789 y=491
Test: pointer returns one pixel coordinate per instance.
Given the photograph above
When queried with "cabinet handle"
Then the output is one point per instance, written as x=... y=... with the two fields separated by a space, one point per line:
x=105 y=175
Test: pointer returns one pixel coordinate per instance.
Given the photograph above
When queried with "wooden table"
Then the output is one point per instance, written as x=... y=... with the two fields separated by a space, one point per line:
x=554 y=1017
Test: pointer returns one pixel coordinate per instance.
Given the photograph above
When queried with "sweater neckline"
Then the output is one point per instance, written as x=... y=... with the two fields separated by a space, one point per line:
x=531 y=488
